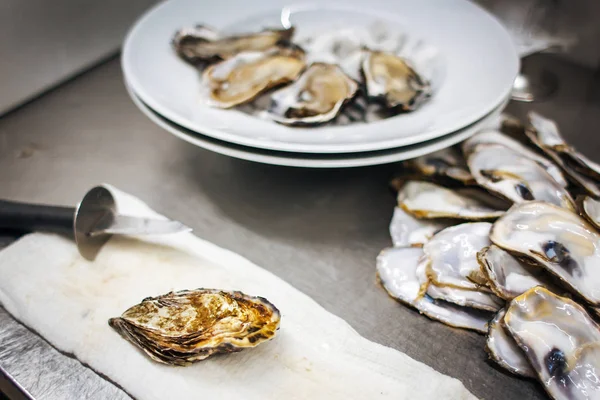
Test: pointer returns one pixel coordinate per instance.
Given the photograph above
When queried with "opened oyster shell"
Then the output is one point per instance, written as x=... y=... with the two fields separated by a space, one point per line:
x=407 y=230
x=190 y=325
x=560 y=340
x=465 y=297
x=391 y=81
x=397 y=271
x=503 y=349
x=446 y=165
x=315 y=98
x=204 y=44
x=241 y=78
x=428 y=200
x=590 y=209
x=507 y=173
x=559 y=240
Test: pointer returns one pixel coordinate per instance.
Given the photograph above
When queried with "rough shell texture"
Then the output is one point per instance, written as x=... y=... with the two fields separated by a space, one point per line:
x=446 y=165
x=186 y=326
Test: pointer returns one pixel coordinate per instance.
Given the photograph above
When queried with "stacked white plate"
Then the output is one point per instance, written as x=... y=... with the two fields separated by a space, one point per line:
x=467 y=55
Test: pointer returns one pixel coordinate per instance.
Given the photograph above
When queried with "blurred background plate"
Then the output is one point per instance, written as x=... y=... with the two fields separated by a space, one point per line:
x=477 y=67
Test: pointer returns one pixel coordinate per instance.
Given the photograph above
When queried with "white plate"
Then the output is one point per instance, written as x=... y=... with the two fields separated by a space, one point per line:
x=477 y=66
x=309 y=160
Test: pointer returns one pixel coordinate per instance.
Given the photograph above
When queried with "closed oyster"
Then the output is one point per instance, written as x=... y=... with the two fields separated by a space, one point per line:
x=558 y=239
x=503 y=349
x=560 y=340
x=315 y=98
x=496 y=137
x=241 y=78
x=445 y=165
x=397 y=270
x=507 y=173
x=391 y=81
x=407 y=230
x=590 y=209
x=203 y=44
x=452 y=253
x=508 y=276
x=428 y=200
x=190 y=325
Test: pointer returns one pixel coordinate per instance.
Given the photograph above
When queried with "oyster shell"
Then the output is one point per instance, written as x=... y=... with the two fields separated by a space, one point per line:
x=517 y=178
x=452 y=253
x=316 y=97
x=466 y=298
x=503 y=349
x=204 y=44
x=443 y=165
x=190 y=325
x=496 y=137
x=428 y=200
x=407 y=230
x=241 y=78
x=560 y=340
x=391 y=81
x=590 y=209
x=508 y=276
x=397 y=271
x=559 y=240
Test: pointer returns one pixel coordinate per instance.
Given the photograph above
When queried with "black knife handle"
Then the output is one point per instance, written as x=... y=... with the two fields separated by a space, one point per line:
x=36 y=217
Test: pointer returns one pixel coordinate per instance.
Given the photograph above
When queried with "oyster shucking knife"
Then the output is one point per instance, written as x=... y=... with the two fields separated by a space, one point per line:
x=91 y=223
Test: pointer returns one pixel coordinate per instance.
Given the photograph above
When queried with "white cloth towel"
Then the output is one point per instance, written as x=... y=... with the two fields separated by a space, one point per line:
x=46 y=285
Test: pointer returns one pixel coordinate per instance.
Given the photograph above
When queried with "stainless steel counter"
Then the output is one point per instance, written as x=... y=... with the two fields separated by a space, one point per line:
x=320 y=230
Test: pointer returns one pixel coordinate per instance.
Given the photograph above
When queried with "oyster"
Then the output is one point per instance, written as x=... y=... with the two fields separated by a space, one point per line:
x=508 y=276
x=397 y=270
x=443 y=165
x=517 y=178
x=544 y=134
x=407 y=230
x=241 y=78
x=391 y=81
x=428 y=200
x=560 y=340
x=316 y=97
x=190 y=325
x=496 y=137
x=452 y=253
x=590 y=208
x=466 y=298
x=559 y=240
x=203 y=44
x=503 y=349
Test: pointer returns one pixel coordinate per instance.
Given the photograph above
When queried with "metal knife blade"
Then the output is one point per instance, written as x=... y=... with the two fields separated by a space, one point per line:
x=126 y=225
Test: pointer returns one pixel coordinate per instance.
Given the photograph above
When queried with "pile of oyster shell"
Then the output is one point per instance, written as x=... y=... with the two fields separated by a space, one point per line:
x=267 y=68
x=487 y=236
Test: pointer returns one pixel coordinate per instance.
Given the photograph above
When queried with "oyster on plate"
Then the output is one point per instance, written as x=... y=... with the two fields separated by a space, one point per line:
x=407 y=230
x=246 y=75
x=428 y=200
x=397 y=269
x=442 y=165
x=507 y=173
x=508 y=276
x=557 y=239
x=560 y=340
x=503 y=349
x=179 y=328
x=590 y=209
x=496 y=137
x=390 y=80
x=315 y=98
x=203 y=44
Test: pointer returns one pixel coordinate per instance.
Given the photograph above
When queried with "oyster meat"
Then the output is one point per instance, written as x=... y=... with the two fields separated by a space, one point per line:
x=246 y=75
x=397 y=271
x=560 y=340
x=557 y=239
x=590 y=208
x=507 y=173
x=452 y=254
x=315 y=98
x=442 y=165
x=190 y=325
x=503 y=349
x=407 y=230
x=391 y=81
x=428 y=200
x=509 y=276
x=203 y=44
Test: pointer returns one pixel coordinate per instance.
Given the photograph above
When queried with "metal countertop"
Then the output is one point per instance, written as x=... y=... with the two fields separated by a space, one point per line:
x=320 y=230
